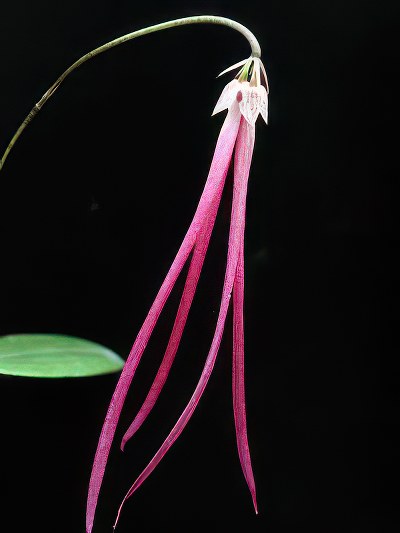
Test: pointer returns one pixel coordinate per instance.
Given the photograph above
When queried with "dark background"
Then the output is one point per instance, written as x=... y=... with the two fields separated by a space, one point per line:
x=95 y=199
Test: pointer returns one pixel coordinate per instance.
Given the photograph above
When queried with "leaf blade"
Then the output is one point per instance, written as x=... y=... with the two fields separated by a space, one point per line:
x=55 y=356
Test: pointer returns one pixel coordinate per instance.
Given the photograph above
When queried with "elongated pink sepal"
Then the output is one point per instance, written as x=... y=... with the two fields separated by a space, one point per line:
x=234 y=246
x=243 y=156
x=216 y=177
x=189 y=290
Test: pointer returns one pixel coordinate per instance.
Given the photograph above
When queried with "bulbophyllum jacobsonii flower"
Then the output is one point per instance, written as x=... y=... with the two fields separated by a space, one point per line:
x=245 y=98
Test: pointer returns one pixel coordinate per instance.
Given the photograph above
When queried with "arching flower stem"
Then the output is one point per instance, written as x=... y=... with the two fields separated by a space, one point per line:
x=200 y=19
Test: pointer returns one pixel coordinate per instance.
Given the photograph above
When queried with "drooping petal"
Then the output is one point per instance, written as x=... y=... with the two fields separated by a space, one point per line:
x=243 y=155
x=218 y=170
x=189 y=290
x=232 y=67
x=264 y=73
x=227 y=97
x=256 y=71
x=234 y=247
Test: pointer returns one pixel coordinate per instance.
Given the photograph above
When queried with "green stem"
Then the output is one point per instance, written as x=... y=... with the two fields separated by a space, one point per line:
x=202 y=19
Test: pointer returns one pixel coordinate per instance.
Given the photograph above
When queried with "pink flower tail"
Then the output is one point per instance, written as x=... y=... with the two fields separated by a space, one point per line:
x=216 y=178
x=235 y=244
x=243 y=155
x=199 y=252
x=238 y=384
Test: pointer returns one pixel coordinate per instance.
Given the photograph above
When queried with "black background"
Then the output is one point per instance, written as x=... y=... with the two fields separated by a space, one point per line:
x=95 y=199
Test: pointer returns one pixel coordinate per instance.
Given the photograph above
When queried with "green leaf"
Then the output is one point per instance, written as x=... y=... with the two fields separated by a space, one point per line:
x=55 y=356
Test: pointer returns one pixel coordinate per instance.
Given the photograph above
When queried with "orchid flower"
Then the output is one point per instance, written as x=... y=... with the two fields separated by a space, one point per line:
x=245 y=98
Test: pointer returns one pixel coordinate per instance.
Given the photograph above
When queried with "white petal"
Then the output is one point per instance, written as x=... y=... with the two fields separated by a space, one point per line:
x=239 y=72
x=264 y=104
x=236 y=65
x=265 y=74
x=227 y=97
x=256 y=72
